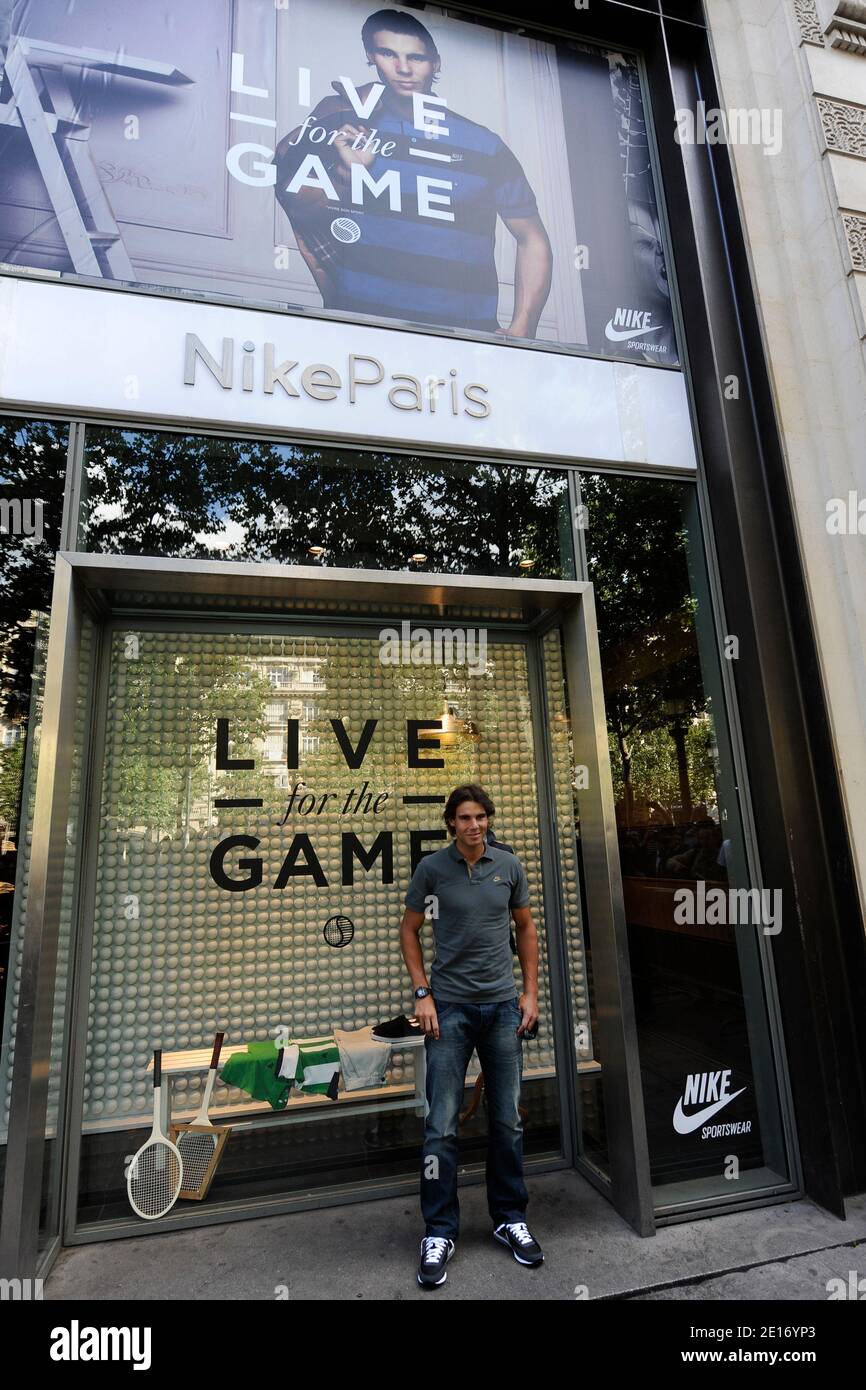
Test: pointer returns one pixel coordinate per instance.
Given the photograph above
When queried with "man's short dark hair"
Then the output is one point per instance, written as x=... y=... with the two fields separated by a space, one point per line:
x=470 y=791
x=399 y=23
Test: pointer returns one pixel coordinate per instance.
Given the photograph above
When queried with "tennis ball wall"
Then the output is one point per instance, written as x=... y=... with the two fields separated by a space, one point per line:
x=175 y=956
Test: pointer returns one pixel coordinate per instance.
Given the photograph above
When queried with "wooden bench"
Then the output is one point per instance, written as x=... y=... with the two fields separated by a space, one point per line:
x=196 y=1062
x=258 y=1114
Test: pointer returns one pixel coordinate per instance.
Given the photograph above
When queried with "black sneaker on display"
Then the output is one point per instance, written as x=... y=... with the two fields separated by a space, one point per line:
x=436 y=1251
x=398 y=1028
x=523 y=1246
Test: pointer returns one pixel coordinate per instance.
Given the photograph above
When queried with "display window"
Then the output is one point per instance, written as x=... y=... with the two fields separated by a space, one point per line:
x=253 y=857
x=254 y=778
x=267 y=783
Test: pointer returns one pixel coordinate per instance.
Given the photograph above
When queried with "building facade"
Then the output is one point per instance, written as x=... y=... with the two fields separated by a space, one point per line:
x=399 y=398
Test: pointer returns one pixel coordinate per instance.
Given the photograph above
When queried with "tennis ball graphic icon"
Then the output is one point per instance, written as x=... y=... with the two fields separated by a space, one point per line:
x=345 y=229
x=338 y=930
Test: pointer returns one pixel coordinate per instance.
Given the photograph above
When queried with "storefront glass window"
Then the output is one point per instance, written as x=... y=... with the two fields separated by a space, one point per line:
x=32 y=478
x=198 y=497
x=252 y=859
x=697 y=926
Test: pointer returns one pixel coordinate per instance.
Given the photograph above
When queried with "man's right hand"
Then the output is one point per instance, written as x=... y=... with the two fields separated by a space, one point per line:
x=425 y=1012
x=343 y=143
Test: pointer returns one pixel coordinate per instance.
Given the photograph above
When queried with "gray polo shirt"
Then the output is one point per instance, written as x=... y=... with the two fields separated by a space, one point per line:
x=474 y=963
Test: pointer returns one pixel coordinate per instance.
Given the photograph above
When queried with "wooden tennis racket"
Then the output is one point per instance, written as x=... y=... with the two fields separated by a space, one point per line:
x=200 y=1142
x=155 y=1175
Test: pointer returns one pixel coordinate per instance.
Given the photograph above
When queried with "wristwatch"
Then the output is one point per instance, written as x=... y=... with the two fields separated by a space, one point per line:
x=421 y=992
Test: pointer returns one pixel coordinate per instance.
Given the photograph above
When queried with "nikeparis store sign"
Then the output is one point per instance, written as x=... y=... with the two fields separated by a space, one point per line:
x=398 y=165
x=322 y=381
x=173 y=361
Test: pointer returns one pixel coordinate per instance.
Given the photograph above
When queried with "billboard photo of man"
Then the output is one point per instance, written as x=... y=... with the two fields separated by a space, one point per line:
x=395 y=210
x=529 y=212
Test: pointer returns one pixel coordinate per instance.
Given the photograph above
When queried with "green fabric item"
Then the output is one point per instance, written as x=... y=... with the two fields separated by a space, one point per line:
x=318 y=1069
x=254 y=1071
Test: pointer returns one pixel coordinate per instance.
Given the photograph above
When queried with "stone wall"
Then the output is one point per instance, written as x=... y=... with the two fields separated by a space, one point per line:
x=804 y=215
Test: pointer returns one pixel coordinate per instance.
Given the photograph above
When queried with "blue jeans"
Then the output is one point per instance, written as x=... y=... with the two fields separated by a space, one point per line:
x=491 y=1030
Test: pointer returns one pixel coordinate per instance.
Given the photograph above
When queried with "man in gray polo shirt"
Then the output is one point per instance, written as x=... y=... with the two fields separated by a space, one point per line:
x=473 y=889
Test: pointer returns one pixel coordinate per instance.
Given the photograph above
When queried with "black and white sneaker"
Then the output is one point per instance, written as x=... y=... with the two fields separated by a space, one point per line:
x=396 y=1029
x=523 y=1246
x=436 y=1251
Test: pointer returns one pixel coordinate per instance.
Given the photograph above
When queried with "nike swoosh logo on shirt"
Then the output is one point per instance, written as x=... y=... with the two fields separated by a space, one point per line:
x=684 y=1124
x=618 y=335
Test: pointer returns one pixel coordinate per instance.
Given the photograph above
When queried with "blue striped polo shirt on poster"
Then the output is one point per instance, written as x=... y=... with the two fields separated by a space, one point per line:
x=408 y=264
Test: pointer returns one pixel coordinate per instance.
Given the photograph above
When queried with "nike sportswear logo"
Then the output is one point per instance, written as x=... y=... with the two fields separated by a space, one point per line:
x=685 y=1124
x=617 y=335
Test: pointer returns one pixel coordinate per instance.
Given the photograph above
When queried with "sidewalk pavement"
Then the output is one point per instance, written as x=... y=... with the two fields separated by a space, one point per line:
x=370 y=1251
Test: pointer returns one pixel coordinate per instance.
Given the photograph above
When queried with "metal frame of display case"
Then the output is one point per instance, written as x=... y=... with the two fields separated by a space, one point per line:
x=84 y=584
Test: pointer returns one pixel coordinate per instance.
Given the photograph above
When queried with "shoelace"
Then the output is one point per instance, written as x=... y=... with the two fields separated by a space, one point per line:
x=434 y=1248
x=520 y=1231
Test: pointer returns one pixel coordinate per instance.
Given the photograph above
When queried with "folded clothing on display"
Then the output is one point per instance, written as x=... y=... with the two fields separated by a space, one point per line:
x=287 y=1062
x=255 y=1071
x=267 y=1072
x=398 y=1028
x=316 y=1063
x=363 y=1059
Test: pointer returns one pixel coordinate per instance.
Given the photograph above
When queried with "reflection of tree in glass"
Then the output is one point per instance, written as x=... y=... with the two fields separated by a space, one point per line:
x=636 y=551
x=11 y=770
x=656 y=773
x=163 y=778
x=424 y=692
x=32 y=466
x=165 y=494
x=633 y=142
